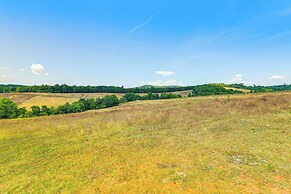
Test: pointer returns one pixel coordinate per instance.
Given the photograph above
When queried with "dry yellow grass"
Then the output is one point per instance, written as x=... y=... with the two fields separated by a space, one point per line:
x=55 y=99
x=192 y=145
x=49 y=99
x=238 y=89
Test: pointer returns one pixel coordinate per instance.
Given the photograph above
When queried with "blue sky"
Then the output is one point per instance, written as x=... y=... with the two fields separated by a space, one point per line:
x=132 y=43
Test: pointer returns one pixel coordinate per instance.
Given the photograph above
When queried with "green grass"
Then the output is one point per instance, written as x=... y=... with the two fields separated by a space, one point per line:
x=194 y=145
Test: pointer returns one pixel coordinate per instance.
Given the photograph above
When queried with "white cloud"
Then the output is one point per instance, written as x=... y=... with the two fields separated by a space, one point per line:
x=22 y=70
x=165 y=83
x=165 y=73
x=38 y=69
x=237 y=79
x=246 y=83
x=277 y=77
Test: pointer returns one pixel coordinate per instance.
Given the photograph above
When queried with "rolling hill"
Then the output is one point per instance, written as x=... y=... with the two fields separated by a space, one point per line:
x=236 y=144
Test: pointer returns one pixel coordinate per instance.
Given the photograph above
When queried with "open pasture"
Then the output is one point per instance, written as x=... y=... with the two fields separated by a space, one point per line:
x=239 y=144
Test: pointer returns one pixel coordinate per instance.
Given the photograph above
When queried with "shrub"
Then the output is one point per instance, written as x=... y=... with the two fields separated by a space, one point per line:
x=8 y=109
x=130 y=97
x=109 y=101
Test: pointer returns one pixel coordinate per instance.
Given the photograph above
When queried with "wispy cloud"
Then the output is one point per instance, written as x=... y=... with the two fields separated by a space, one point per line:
x=165 y=73
x=132 y=30
x=138 y=27
x=166 y=83
x=277 y=77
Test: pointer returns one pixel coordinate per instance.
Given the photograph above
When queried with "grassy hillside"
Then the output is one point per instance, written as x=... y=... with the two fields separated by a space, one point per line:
x=191 y=145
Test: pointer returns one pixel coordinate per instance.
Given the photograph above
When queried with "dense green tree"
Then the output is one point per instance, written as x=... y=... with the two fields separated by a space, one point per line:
x=22 y=112
x=98 y=103
x=78 y=107
x=86 y=103
x=92 y=103
x=65 y=109
x=109 y=101
x=212 y=89
x=151 y=96
x=53 y=111
x=169 y=96
x=129 y=97
x=45 y=111
x=8 y=109
x=35 y=111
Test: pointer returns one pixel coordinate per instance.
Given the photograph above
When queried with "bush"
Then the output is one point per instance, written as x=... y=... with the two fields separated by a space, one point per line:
x=45 y=111
x=35 y=111
x=98 y=103
x=151 y=96
x=169 y=96
x=8 y=109
x=109 y=101
x=130 y=97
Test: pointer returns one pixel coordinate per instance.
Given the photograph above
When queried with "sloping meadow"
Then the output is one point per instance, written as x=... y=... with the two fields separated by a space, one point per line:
x=206 y=144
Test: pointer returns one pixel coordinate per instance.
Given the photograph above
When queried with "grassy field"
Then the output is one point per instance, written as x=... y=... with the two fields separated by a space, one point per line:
x=55 y=99
x=49 y=99
x=239 y=144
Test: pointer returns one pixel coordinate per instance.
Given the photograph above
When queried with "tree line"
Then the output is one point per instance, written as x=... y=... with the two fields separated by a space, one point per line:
x=86 y=89
x=214 y=89
x=10 y=110
x=256 y=88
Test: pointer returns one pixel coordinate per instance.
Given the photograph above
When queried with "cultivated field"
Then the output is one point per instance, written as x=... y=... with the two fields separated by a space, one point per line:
x=239 y=144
